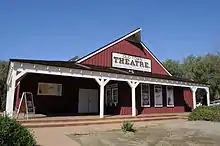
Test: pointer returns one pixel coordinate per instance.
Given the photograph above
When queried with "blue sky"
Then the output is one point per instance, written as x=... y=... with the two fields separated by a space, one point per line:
x=60 y=29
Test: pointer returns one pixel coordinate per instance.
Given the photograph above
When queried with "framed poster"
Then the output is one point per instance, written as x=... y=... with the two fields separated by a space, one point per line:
x=145 y=95
x=170 y=96
x=111 y=95
x=158 y=98
x=52 y=89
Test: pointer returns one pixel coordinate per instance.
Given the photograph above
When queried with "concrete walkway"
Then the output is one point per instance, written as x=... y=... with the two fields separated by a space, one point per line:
x=57 y=136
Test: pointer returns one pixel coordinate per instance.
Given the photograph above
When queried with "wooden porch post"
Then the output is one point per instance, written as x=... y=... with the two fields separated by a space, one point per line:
x=102 y=82
x=208 y=96
x=194 y=96
x=133 y=85
x=10 y=94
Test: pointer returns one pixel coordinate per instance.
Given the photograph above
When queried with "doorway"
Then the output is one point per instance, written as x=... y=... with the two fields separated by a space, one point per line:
x=88 y=101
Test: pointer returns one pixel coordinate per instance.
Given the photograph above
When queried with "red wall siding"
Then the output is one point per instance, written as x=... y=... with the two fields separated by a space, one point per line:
x=188 y=98
x=124 y=100
x=104 y=58
x=178 y=101
x=163 y=110
x=124 y=105
x=67 y=103
x=17 y=99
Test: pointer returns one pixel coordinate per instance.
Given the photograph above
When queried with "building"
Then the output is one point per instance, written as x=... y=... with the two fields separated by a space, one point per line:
x=121 y=78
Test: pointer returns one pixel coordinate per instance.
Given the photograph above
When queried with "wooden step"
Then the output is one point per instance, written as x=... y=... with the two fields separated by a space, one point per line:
x=96 y=122
x=72 y=119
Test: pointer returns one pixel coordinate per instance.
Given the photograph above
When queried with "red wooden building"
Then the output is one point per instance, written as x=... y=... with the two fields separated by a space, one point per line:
x=123 y=77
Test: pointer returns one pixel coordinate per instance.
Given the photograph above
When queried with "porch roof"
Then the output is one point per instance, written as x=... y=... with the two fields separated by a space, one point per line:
x=74 y=65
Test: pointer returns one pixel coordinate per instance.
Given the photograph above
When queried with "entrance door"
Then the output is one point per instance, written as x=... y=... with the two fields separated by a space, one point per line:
x=88 y=101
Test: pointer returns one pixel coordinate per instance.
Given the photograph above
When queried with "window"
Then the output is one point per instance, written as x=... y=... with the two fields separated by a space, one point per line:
x=49 y=89
x=170 y=96
x=111 y=95
x=158 y=99
x=145 y=95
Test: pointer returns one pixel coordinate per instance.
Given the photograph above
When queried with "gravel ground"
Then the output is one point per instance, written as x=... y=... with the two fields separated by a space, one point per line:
x=176 y=133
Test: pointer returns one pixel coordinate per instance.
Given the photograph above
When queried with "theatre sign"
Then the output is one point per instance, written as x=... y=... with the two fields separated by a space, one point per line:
x=131 y=62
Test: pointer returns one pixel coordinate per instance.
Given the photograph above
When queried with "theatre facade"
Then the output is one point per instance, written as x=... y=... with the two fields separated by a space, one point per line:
x=122 y=78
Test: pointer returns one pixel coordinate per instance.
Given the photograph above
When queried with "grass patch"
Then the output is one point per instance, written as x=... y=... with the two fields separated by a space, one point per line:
x=128 y=126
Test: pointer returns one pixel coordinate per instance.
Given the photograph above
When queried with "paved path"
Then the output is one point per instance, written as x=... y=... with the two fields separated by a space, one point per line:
x=57 y=136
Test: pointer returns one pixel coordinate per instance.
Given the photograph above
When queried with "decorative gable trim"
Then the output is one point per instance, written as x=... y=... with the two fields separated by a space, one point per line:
x=109 y=45
x=155 y=58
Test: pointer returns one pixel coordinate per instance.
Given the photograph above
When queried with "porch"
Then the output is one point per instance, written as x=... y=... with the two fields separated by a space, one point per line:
x=81 y=96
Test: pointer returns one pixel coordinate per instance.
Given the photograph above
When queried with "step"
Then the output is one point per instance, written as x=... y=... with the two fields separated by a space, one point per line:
x=72 y=119
x=109 y=121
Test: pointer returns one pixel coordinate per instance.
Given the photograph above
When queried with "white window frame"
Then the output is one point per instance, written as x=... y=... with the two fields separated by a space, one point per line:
x=155 y=105
x=111 y=88
x=40 y=83
x=148 y=86
x=167 y=96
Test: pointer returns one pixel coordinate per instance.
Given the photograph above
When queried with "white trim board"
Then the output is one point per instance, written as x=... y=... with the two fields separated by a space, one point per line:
x=111 y=44
x=52 y=70
x=10 y=69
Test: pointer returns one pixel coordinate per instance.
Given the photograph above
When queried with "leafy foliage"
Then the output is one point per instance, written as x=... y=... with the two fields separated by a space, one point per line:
x=3 y=77
x=128 y=126
x=174 y=67
x=206 y=113
x=201 y=68
x=13 y=134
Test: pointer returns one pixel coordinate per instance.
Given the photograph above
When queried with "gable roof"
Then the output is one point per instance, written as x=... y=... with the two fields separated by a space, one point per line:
x=135 y=34
x=109 y=45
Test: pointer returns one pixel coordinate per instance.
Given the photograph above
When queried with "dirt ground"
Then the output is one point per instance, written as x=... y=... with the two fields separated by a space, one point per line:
x=176 y=133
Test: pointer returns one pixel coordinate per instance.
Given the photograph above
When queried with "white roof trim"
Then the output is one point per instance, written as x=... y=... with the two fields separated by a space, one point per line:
x=9 y=76
x=63 y=71
x=111 y=44
x=155 y=59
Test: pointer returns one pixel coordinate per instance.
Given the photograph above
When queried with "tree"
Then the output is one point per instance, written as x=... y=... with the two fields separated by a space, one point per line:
x=174 y=67
x=188 y=66
x=3 y=87
x=204 y=69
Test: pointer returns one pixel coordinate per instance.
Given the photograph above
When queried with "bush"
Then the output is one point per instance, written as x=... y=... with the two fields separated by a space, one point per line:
x=13 y=134
x=127 y=126
x=206 y=113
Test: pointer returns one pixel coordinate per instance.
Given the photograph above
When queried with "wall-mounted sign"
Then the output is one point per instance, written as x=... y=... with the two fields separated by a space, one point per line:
x=50 y=89
x=131 y=62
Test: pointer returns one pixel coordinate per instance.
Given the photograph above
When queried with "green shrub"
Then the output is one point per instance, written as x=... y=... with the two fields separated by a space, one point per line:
x=128 y=126
x=13 y=134
x=206 y=113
